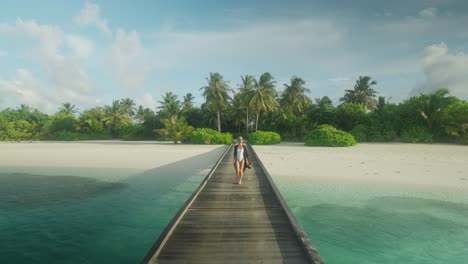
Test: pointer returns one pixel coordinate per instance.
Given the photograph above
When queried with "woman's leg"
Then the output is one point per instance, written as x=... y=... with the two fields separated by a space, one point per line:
x=237 y=169
x=241 y=170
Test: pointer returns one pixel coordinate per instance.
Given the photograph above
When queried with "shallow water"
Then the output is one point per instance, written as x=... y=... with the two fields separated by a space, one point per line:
x=355 y=223
x=79 y=215
x=73 y=215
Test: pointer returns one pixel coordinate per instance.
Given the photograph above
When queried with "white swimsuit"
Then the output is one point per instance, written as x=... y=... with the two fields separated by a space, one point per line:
x=240 y=154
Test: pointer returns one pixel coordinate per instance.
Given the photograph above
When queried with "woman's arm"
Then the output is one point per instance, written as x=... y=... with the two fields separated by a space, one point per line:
x=246 y=155
x=235 y=152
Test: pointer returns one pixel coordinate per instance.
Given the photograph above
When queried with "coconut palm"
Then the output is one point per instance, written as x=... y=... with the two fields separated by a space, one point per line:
x=128 y=106
x=170 y=106
x=322 y=111
x=23 y=112
x=188 y=102
x=175 y=129
x=216 y=95
x=245 y=95
x=237 y=113
x=431 y=107
x=381 y=103
x=264 y=96
x=116 y=117
x=362 y=93
x=324 y=103
x=141 y=113
x=91 y=120
x=68 y=109
x=294 y=98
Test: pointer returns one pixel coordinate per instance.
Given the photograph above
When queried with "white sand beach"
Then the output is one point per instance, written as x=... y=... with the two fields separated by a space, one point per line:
x=124 y=158
x=437 y=166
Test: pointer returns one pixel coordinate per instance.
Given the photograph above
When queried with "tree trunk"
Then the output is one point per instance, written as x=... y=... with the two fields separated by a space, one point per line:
x=247 y=122
x=219 y=121
x=256 y=122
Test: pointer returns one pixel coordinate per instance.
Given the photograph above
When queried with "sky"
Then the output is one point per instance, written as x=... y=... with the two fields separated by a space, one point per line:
x=90 y=53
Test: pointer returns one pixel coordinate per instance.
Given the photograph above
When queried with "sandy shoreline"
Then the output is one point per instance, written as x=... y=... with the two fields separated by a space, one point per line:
x=98 y=157
x=433 y=166
x=429 y=166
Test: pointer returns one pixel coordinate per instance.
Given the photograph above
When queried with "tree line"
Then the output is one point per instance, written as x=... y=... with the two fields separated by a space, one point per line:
x=255 y=104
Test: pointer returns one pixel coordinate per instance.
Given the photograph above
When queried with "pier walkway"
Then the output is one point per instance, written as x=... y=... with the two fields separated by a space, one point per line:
x=223 y=222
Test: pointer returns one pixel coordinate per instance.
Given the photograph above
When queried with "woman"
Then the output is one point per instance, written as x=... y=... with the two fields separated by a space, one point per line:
x=240 y=159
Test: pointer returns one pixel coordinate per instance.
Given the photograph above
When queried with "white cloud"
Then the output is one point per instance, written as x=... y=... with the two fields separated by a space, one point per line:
x=81 y=47
x=408 y=25
x=443 y=69
x=67 y=74
x=147 y=101
x=267 y=41
x=25 y=89
x=49 y=36
x=62 y=71
x=129 y=59
x=89 y=15
x=428 y=12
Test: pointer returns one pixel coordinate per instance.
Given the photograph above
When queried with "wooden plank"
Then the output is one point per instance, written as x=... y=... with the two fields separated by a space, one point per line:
x=224 y=222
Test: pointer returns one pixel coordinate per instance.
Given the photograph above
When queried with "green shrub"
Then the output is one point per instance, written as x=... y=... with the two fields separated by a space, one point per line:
x=327 y=135
x=264 y=138
x=416 y=134
x=378 y=133
x=199 y=135
x=359 y=132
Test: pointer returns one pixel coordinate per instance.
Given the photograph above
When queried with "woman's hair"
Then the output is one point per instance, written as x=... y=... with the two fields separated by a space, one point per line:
x=240 y=138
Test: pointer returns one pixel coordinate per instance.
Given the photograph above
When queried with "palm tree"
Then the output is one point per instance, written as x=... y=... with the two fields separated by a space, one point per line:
x=188 y=102
x=322 y=110
x=116 y=117
x=128 y=106
x=68 y=109
x=245 y=93
x=324 y=103
x=216 y=95
x=175 y=130
x=24 y=112
x=141 y=113
x=170 y=106
x=91 y=120
x=362 y=93
x=264 y=96
x=432 y=106
x=237 y=112
x=294 y=98
x=381 y=103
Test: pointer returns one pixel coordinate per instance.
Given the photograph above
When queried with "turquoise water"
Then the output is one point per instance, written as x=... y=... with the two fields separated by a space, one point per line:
x=77 y=215
x=74 y=215
x=355 y=223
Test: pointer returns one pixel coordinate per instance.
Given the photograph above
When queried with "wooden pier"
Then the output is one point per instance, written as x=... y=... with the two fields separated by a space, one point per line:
x=223 y=222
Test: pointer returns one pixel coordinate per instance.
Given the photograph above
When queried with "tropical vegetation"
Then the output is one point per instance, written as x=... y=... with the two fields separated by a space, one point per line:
x=256 y=105
x=265 y=138
x=329 y=136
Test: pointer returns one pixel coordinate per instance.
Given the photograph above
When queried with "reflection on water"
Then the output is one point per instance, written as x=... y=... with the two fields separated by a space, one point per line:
x=30 y=190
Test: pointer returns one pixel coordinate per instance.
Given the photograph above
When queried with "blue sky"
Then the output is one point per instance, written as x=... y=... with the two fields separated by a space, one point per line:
x=89 y=53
